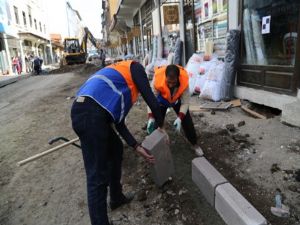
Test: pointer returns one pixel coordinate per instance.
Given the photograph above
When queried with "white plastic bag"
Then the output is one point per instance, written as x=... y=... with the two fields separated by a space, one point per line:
x=192 y=69
x=213 y=83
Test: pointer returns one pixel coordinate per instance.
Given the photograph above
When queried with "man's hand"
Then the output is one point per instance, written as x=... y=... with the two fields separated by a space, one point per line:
x=150 y=125
x=142 y=152
x=177 y=124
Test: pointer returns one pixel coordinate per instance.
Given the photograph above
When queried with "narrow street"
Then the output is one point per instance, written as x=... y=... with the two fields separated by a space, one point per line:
x=256 y=157
x=51 y=190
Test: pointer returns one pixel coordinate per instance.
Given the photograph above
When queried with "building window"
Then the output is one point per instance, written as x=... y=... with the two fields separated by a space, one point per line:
x=29 y=15
x=30 y=20
x=270 y=32
x=269 y=45
x=210 y=18
x=16 y=15
x=24 y=18
x=27 y=43
x=146 y=12
x=44 y=28
x=35 y=24
x=40 y=26
x=170 y=25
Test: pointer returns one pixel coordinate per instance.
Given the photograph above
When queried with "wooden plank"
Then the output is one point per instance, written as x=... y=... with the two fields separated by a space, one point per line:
x=255 y=114
x=196 y=108
x=236 y=103
x=216 y=105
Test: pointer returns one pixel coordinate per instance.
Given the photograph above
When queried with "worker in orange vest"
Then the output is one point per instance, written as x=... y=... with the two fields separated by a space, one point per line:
x=170 y=85
x=99 y=110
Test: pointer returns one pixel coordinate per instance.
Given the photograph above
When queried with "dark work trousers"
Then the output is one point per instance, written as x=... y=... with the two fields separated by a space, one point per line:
x=187 y=122
x=102 y=152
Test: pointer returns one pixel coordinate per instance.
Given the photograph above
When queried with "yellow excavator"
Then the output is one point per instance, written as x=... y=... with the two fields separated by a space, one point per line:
x=75 y=50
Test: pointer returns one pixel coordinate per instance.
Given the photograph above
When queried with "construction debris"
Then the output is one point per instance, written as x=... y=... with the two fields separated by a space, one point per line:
x=252 y=113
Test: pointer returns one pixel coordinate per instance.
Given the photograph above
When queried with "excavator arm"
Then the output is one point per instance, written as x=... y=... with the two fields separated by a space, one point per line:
x=88 y=36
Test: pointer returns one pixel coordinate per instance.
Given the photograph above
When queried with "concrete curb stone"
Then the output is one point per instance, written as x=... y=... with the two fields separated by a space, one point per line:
x=234 y=208
x=228 y=202
x=207 y=178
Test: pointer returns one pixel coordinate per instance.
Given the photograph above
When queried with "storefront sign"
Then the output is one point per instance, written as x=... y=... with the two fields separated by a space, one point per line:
x=171 y=14
x=136 y=31
x=123 y=40
x=265 y=26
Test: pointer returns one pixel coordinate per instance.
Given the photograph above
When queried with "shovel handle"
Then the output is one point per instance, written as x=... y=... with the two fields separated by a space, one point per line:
x=39 y=155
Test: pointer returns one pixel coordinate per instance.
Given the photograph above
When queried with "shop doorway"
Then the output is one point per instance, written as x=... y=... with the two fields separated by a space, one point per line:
x=189 y=28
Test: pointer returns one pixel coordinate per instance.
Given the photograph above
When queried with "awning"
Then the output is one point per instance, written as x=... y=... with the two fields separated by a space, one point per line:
x=8 y=30
x=33 y=37
x=123 y=19
x=127 y=9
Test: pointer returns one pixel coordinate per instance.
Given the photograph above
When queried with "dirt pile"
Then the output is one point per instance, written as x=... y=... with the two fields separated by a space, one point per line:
x=87 y=68
x=257 y=156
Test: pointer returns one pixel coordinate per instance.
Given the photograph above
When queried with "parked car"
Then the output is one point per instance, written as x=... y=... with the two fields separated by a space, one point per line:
x=93 y=54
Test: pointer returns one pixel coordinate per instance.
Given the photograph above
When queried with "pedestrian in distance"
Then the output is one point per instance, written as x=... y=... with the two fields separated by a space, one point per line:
x=28 y=63
x=99 y=110
x=102 y=57
x=37 y=65
x=170 y=85
x=16 y=65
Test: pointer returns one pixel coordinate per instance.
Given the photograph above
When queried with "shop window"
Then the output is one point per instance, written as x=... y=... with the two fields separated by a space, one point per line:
x=137 y=34
x=27 y=43
x=189 y=20
x=211 y=22
x=146 y=12
x=2 y=46
x=170 y=25
x=270 y=32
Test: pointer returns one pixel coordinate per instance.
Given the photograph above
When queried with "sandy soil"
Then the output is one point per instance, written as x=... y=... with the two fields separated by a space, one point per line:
x=256 y=158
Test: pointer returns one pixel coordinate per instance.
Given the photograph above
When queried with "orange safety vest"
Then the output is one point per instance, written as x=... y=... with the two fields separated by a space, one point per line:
x=160 y=84
x=123 y=68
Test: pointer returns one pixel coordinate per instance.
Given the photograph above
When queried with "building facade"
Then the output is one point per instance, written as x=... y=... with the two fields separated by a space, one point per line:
x=269 y=71
x=29 y=21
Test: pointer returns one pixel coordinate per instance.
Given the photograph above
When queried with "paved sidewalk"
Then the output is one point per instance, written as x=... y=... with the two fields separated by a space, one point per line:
x=9 y=79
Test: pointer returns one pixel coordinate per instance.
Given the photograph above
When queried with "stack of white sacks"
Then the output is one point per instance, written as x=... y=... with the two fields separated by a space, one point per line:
x=206 y=77
x=206 y=73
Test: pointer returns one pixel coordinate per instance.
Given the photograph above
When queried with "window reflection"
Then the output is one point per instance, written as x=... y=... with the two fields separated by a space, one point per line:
x=270 y=31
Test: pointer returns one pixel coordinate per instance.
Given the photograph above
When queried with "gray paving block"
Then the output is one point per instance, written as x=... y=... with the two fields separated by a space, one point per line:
x=206 y=177
x=234 y=208
x=157 y=145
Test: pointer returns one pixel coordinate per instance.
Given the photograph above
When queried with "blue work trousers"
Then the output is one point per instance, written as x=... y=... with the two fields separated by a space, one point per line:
x=102 y=152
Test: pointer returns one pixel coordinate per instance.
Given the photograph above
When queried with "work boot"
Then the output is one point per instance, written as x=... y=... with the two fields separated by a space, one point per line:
x=125 y=199
x=198 y=150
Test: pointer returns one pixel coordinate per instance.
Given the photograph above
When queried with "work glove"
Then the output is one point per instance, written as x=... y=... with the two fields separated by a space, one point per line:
x=177 y=124
x=150 y=125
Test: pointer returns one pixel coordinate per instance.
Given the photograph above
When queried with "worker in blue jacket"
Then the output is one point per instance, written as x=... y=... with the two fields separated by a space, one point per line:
x=100 y=108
